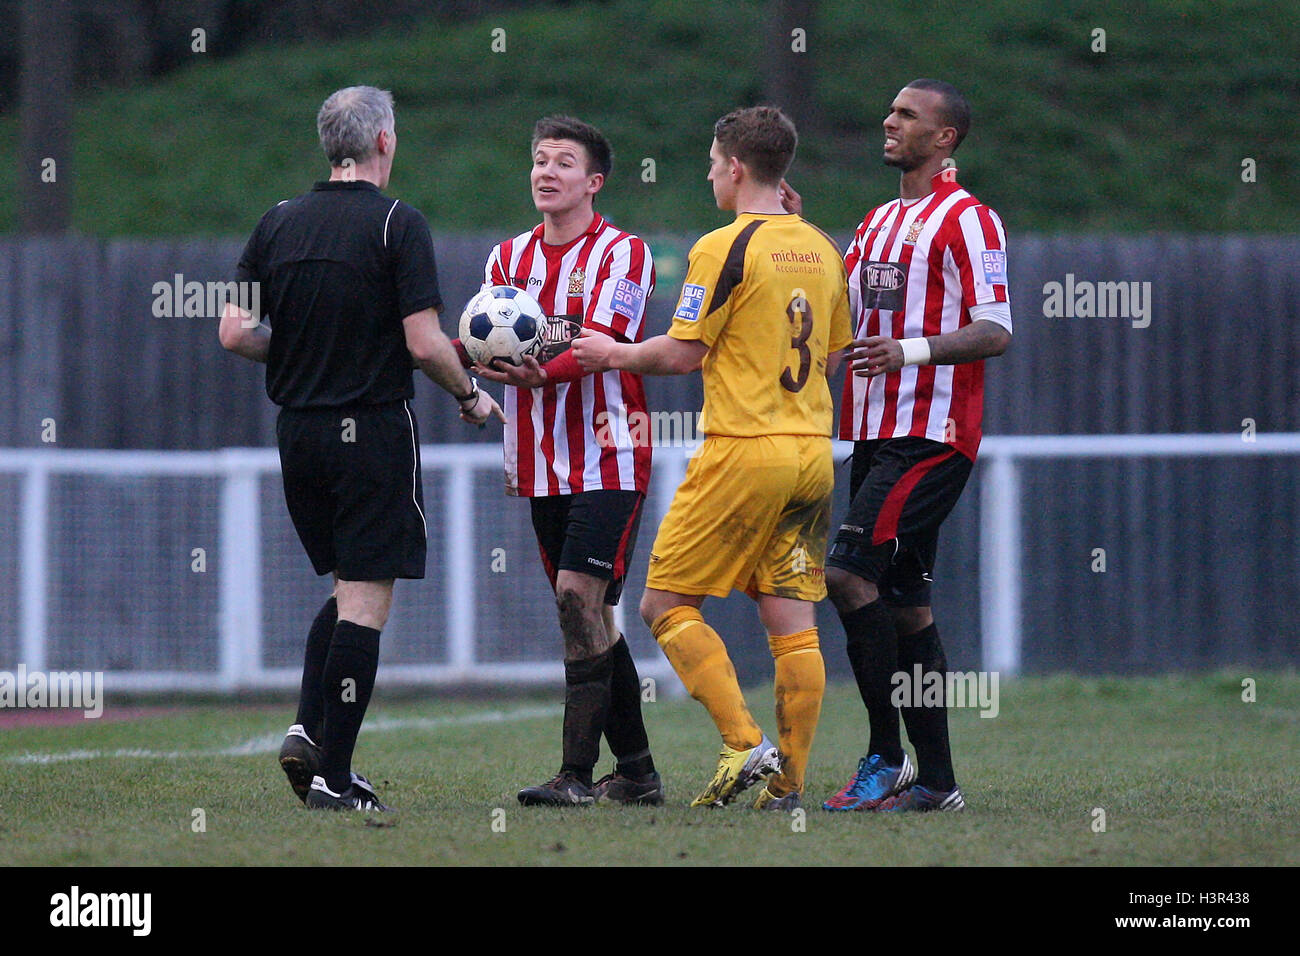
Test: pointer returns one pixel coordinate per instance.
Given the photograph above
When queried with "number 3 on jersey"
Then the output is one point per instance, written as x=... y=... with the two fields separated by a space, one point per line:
x=801 y=324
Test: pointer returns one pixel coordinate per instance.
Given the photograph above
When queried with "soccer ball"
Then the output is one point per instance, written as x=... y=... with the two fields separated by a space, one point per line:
x=502 y=322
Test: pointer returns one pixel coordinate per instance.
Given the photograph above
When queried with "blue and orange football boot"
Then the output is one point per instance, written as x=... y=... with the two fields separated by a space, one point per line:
x=873 y=782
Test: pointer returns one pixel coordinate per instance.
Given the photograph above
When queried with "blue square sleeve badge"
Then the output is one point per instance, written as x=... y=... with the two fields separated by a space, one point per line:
x=692 y=302
x=995 y=266
x=628 y=299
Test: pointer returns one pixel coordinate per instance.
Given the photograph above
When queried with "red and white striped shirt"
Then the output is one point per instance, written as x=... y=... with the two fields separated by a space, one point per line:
x=915 y=269
x=558 y=441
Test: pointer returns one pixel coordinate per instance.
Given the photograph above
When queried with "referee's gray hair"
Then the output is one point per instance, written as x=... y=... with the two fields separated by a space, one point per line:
x=351 y=119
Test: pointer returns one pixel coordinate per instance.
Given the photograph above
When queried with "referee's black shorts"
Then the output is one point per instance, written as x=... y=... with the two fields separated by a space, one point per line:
x=593 y=532
x=352 y=484
x=902 y=490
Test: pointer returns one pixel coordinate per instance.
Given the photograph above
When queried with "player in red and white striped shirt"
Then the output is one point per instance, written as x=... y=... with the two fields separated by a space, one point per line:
x=570 y=451
x=920 y=268
x=562 y=437
x=928 y=295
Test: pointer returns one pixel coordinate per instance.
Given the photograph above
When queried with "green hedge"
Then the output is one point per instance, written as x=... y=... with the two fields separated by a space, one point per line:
x=1148 y=136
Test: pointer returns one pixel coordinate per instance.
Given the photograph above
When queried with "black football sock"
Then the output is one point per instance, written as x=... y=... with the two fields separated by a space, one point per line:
x=625 y=728
x=586 y=711
x=927 y=727
x=310 y=710
x=873 y=654
x=346 y=683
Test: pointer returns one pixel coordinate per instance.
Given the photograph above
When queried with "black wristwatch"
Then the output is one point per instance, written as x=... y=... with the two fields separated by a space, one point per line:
x=471 y=397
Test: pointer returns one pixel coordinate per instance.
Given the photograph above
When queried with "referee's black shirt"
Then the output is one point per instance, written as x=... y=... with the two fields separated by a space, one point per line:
x=338 y=269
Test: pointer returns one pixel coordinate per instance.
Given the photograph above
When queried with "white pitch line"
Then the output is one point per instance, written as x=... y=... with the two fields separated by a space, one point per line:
x=270 y=743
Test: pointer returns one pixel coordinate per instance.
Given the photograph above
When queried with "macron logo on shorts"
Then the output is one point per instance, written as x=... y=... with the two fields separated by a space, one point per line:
x=688 y=309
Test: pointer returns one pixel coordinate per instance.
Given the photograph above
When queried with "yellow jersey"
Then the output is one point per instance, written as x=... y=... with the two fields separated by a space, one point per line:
x=769 y=297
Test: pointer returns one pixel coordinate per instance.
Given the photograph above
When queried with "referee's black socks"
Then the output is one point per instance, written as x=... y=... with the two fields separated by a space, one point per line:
x=873 y=654
x=927 y=726
x=346 y=684
x=310 y=712
x=625 y=727
x=586 y=712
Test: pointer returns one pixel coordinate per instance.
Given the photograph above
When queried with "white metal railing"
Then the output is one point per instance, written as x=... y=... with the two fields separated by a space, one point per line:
x=1000 y=596
x=240 y=572
x=240 y=537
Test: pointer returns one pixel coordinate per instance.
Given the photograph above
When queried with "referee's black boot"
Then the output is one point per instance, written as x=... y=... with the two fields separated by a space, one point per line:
x=299 y=759
x=358 y=795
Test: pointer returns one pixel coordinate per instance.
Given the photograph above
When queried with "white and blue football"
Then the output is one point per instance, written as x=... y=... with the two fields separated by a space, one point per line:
x=502 y=323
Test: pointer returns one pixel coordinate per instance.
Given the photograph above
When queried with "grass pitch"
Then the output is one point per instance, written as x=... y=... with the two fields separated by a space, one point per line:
x=1186 y=772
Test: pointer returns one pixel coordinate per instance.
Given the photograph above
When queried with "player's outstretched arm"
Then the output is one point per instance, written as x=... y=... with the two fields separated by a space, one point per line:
x=433 y=352
x=242 y=334
x=878 y=355
x=661 y=355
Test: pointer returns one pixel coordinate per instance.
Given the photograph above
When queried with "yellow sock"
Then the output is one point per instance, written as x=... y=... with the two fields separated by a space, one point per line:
x=800 y=683
x=700 y=659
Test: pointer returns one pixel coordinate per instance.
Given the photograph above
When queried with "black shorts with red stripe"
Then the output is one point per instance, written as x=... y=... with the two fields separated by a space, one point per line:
x=593 y=532
x=902 y=490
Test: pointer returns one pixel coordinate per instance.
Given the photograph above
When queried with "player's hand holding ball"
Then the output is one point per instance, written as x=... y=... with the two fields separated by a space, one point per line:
x=527 y=374
x=875 y=355
x=594 y=350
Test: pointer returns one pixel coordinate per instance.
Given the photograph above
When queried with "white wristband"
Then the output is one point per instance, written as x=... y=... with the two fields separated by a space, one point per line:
x=915 y=351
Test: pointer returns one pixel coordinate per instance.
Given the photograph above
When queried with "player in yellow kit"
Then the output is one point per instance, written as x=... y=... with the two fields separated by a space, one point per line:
x=764 y=312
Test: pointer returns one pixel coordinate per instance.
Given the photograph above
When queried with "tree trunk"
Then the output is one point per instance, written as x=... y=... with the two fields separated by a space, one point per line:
x=45 y=108
x=788 y=70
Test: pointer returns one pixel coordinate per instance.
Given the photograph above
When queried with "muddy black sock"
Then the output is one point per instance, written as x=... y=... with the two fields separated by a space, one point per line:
x=586 y=712
x=927 y=727
x=310 y=708
x=873 y=654
x=346 y=683
x=625 y=728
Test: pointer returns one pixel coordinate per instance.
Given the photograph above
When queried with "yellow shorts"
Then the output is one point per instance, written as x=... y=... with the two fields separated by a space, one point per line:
x=752 y=514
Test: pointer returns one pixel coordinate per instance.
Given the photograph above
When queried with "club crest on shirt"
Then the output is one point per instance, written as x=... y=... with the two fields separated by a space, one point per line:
x=577 y=281
x=914 y=230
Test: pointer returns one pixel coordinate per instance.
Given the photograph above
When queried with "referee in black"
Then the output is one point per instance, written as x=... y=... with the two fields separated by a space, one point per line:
x=347 y=279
